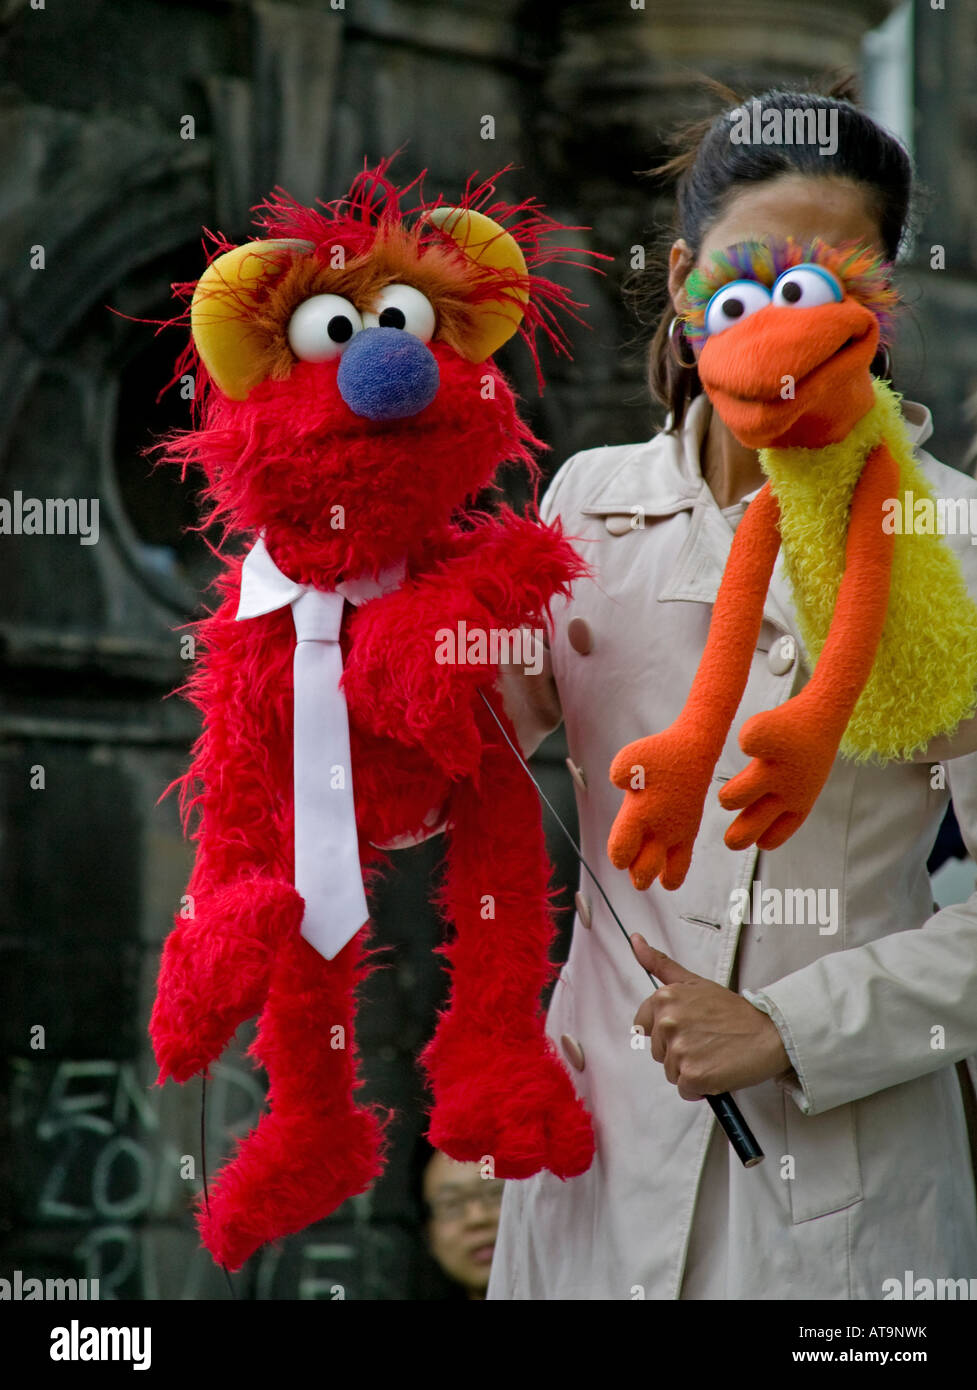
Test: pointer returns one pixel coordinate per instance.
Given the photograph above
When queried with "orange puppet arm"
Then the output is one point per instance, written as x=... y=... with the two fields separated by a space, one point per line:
x=655 y=829
x=793 y=747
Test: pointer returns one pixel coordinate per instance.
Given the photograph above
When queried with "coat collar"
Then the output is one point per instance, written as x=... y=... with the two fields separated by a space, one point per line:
x=662 y=477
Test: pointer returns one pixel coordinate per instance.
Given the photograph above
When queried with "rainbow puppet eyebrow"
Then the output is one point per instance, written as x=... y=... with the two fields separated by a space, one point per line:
x=864 y=275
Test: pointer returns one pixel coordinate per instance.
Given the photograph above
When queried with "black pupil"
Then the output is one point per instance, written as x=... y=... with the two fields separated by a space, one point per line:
x=732 y=308
x=791 y=292
x=340 y=329
x=392 y=318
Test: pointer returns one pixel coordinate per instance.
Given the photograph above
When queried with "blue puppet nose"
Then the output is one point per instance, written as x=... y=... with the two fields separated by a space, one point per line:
x=387 y=374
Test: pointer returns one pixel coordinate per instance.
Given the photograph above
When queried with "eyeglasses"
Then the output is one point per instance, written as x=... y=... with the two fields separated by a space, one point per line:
x=451 y=1206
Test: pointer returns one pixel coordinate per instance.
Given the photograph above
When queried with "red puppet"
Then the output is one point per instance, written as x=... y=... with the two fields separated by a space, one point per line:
x=349 y=413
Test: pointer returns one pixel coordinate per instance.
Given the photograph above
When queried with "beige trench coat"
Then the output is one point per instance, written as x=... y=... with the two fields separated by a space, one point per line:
x=868 y=1170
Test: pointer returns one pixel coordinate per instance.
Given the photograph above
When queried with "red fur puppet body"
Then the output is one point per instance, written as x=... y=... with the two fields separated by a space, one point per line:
x=283 y=460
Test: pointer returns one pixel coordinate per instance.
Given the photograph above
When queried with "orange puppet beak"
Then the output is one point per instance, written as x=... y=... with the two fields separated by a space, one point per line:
x=789 y=377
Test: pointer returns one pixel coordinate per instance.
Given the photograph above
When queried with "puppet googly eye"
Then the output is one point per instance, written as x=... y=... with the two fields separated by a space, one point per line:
x=734 y=302
x=401 y=306
x=322 y=327
x=805 y=287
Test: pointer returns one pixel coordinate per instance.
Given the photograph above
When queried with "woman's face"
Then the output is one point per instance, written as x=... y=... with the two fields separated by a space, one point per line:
x=793 y=205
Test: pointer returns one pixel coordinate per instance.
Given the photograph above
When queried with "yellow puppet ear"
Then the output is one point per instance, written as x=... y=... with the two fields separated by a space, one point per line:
x=226 y=296
x=490 y=246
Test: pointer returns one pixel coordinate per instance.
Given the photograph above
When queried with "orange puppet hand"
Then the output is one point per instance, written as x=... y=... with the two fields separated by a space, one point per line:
x=665 y=778
x=793 y=753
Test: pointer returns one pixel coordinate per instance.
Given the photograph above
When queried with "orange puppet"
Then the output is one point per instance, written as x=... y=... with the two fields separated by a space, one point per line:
x=788 y=335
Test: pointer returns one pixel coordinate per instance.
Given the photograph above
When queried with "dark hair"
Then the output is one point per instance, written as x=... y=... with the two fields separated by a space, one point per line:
x=711 y=168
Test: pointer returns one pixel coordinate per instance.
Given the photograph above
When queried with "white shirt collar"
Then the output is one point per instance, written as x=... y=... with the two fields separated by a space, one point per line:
x=264 y=587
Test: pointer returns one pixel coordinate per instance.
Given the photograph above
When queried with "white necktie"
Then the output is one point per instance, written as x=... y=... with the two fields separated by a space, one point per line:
x=327 y=862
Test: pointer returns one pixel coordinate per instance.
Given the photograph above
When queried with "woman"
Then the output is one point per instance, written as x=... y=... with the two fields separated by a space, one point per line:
x=847 y=1036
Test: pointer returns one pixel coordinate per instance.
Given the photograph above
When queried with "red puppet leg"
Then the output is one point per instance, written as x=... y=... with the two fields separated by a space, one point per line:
x=500 y=1089
x=314 y=1148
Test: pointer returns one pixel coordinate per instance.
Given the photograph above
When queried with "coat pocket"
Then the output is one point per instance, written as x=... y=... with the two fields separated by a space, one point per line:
x=827 y=1174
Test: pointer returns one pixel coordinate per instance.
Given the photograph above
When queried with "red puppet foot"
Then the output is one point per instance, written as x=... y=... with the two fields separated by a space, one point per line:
x=521 y=1111
x=289 y=1172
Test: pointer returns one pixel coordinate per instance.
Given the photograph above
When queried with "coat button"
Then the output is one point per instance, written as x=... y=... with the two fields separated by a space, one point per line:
x=580 y=637
x=582 y=905
x=619 y=525
x=782 y=655
x=573 y=1051
x=577 y=774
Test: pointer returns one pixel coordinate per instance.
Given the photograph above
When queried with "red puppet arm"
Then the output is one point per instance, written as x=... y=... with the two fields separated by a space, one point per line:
x=502 y=576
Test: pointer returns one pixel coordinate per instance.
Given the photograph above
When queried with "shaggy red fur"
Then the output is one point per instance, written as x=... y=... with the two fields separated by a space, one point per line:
x=280 y=462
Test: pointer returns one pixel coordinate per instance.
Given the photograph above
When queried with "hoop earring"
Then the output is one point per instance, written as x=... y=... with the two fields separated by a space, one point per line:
x=885 y=373
x=677 y=322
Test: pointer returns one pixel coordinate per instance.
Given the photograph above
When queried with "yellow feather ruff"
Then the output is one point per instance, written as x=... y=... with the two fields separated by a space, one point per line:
x=924 y=680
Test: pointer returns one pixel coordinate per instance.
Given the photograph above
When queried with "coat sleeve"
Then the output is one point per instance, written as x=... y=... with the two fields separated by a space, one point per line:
x=858 y=1021
x=531 y=699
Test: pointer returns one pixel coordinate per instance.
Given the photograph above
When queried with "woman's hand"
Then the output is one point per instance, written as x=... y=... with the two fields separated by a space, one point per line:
x=709 y=1039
